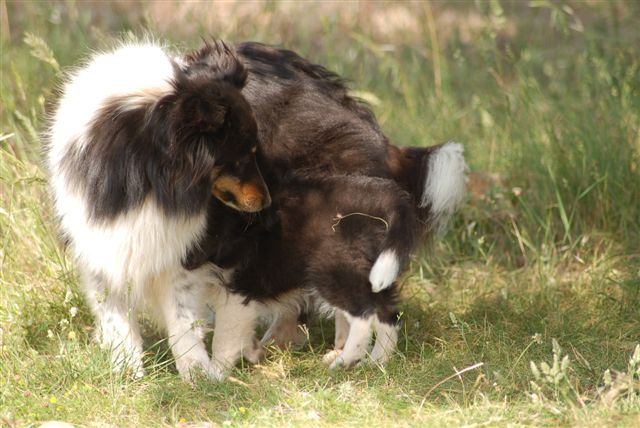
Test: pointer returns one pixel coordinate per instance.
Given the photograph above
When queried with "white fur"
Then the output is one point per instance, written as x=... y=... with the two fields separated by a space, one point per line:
x=138 y=71
x=234 y=334
x=179 y=304
x=357 y=343
x=117 y=329
x=353 y=335
x=143 y=242
x=136 y=257
x=386 y=341
x=384 y=271
x=444 y=186
x=341 y=334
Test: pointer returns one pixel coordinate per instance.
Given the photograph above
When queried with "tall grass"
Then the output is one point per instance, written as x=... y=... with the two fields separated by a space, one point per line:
x=545 y=96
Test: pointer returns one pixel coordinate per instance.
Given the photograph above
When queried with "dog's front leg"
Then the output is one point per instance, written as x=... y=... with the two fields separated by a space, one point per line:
x=234 y=334
x=386 y=340
x=181 y=297
x=117 y=328
x=342 y=331
x=357 y=343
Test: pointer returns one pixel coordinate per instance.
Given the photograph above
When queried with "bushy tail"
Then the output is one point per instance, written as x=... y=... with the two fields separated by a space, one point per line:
x=444 y=176
x=436 y=176
x=396 y=246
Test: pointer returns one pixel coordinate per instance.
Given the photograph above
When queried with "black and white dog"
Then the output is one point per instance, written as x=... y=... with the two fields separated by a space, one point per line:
x=325 y=158
x=134 y=146
x=140 y=140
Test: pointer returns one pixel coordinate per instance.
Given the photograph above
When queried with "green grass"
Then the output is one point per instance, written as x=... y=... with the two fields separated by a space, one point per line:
x=546 y=99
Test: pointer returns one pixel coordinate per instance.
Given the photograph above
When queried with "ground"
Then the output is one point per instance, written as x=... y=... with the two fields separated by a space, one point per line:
x=527 y=312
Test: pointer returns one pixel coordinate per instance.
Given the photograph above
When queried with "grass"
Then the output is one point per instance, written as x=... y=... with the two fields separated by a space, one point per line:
x=542 y=264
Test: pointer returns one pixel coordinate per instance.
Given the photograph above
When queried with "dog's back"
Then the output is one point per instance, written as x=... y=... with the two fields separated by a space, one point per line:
x=306 y=118
x=307 y=121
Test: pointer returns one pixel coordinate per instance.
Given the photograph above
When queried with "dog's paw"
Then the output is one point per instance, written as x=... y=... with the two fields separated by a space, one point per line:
x=338 y=363
x=339 y=360
x=127 y=362
x=191 y=369
x=331 y=356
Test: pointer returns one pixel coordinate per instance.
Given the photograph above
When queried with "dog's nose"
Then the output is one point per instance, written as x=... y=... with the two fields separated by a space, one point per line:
x=255 y=199
x=256 y=203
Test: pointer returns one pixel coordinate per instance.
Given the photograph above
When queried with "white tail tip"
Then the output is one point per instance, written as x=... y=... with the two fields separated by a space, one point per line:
x=385 y=271
x=444 y=186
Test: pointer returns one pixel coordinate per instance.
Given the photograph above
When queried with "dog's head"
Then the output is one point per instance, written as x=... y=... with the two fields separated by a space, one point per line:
x=212 y=123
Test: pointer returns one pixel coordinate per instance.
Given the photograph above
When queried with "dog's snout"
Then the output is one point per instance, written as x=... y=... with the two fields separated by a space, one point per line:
x=255 y=198
x=242 y=188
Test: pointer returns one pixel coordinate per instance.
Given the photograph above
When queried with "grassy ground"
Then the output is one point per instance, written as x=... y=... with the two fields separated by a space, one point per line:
x=542 y=264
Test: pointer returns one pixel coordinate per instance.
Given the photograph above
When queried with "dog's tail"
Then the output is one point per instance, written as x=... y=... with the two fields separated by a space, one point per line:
x=397 y=244
x=436 y=179
x=435 y=176
x=444 y=177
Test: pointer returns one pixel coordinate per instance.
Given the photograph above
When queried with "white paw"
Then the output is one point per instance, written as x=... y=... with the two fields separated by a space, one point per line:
x=338 y=363
x=330 y=357
x=192 y=368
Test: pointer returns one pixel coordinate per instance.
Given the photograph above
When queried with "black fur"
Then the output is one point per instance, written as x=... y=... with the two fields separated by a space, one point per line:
x=322 y=235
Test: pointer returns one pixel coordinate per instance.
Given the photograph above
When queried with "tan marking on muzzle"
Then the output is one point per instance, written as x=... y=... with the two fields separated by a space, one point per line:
x=246 y=196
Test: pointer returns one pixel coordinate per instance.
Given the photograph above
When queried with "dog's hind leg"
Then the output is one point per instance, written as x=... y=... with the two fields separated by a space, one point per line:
x=180 y=297
x=386 y=340
x=117 y=328
x=357 y=343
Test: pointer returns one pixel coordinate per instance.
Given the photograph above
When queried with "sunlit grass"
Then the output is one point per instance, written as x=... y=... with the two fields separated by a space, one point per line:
x=546 y=100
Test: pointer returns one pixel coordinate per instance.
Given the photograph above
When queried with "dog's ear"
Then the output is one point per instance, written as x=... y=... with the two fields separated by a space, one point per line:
x=220 y=61
x=199 y=111
x=207 y=114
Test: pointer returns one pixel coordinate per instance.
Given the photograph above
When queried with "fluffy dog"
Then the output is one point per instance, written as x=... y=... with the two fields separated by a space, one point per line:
x=134 y=146
x=323 y=150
